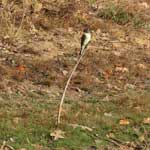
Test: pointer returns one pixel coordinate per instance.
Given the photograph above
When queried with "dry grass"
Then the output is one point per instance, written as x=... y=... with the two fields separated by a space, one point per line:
x=39 y=44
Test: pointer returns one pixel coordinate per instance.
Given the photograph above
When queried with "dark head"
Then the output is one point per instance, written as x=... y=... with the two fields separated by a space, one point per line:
x=86 y=30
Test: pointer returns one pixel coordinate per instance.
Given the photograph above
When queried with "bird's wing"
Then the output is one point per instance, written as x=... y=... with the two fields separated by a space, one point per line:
x=83 y=39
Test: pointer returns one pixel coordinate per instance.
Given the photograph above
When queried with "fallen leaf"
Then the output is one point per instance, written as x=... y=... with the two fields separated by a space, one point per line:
x=27 y=3
x=57 y=134
x=142 y=138
x=116 y=45
x=141 y=41
x=144 y=5
x=4 y=3
x=6 y=37
x=116 y=53
x=108 y=114
x=124 y=122
x=98 y=31
x=146 y=120
x=96 y=80
x=109 y=86
x=129 y=86
x=65 y=72
x=116 y=88
x=124 y=147
x=21 y=68
x=110 y=135
x=106 y=99
x=76 y=89
x=16 y=120
x=107 y=73
x=37 y=7
x=121 y=69
x=141 y=66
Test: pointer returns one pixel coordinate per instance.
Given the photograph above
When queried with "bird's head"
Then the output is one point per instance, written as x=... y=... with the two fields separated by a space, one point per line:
x=86 y=30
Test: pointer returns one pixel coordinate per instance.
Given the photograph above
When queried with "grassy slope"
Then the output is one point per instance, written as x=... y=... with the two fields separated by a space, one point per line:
x=112 y=82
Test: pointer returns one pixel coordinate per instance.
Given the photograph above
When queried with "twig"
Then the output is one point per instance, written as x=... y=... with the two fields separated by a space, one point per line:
x=3 y=145
x=6 y=145
x=10 y=147
x=114 y=142
x=67 y=84
x=81 y=126
x=117 y=140
x=22 y=20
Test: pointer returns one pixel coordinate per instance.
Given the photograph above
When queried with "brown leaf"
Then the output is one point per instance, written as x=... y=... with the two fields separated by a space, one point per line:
x=37 y=7
x=146 y=120
x=107 y=73
x=16 y=120
x=141 y=41
x=21 y=68
x=65 y=72
x=142 y=138
x=124 y=122
x=144 y=5
x=27 y=3
x=4 y=2
x=121 y=69
x=116 y=53
x=141 y=66
x=110 y=135
x=57 y=134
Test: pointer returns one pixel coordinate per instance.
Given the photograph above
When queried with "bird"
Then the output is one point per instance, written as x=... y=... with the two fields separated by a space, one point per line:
x=85 y=39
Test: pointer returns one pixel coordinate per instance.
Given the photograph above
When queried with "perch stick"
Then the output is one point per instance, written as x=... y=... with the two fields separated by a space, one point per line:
x=65 y=89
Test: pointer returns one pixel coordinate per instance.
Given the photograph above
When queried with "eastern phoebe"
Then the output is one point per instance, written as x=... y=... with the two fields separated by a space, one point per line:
x=85 y=39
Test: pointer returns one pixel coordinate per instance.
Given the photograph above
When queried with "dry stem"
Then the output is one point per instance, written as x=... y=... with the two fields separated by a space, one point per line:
x=67 y=84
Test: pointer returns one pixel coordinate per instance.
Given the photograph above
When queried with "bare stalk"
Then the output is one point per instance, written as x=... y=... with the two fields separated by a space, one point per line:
x=65 y=89
x=22 y=20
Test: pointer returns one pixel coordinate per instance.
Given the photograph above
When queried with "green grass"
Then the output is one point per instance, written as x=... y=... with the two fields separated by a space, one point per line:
x=31 y=125
x=116 y=14
x=76 y=139
x=24 y=137
x=119 y=15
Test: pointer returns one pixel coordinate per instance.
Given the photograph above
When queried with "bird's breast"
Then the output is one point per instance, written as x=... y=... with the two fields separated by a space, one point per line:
x=88 y=37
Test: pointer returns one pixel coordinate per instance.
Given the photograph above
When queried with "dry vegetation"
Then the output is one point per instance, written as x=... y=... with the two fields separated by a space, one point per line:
x=39 y=45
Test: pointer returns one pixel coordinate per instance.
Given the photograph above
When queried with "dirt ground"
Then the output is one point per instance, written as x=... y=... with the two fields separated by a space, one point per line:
x=39 y=45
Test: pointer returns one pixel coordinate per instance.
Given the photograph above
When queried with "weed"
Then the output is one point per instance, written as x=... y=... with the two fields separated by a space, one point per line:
x=92 y=1
x=115 y=13
x=120 y=16
x=77 y=139
x=12 y=21
x=138 y=22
